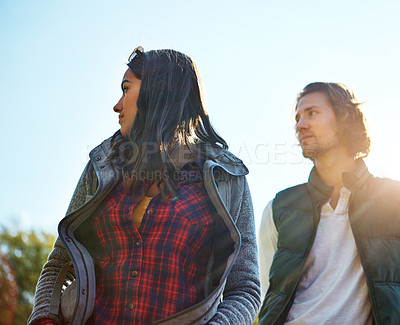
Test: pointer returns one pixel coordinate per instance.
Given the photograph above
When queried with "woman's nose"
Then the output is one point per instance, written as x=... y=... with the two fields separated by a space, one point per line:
x=118 y=106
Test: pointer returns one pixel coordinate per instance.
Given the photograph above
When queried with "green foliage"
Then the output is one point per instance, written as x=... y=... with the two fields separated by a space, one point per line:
x=27 y=252
x=8 y=291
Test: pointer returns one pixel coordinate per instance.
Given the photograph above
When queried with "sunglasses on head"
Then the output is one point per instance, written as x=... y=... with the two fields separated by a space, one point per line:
x=136 y=52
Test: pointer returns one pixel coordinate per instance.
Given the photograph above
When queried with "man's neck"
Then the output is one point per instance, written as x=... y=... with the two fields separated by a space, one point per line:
x=330 y=169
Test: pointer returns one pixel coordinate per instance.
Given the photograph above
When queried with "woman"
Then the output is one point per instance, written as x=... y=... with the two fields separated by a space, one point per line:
x=160 y=228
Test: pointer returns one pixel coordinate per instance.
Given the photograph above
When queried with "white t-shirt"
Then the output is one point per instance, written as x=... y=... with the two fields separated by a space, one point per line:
x=332 y=288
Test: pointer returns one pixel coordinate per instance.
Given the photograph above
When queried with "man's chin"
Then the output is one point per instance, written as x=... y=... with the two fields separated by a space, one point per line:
x=309 y=152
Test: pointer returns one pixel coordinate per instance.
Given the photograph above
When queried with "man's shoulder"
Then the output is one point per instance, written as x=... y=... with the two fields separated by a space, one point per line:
x=291 y=197
x=293 y=191
x=386 y=182
x=381 y=186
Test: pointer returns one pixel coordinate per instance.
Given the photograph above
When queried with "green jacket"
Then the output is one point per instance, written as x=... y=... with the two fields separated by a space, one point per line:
x=374 y=214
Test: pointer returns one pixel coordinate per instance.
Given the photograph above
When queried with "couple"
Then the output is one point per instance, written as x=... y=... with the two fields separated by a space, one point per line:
x=160 y=229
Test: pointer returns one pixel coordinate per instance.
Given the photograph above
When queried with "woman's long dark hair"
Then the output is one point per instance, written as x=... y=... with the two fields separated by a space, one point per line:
x=170 y=113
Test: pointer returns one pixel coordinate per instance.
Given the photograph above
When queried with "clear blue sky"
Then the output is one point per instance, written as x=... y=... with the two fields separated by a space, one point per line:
x=61 y=64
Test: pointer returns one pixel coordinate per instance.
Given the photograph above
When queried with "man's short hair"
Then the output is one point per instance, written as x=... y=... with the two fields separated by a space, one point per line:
x=351 y=121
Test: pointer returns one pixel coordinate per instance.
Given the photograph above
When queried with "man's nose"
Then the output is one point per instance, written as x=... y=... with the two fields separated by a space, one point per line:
x=302 y=124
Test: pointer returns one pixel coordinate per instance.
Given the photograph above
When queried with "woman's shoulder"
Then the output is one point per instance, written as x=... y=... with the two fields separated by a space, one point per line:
x=105 y=146
x=225 y=159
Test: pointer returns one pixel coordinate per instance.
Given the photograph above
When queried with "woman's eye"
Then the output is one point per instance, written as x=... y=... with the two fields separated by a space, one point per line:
x=124 y=89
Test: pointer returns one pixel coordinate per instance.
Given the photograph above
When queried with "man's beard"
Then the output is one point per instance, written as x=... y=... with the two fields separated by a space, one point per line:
x=317 y=149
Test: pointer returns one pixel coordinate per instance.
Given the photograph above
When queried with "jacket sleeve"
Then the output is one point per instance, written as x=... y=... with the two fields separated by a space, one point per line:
x=59 y=256
x=241 y=297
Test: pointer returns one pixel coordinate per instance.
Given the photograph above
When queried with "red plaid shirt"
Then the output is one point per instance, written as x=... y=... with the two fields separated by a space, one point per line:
x=157 y=270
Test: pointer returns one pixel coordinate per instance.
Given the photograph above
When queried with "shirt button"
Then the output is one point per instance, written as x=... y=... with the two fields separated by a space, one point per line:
x=130 y=306
x=150 y=211
x=134 y=274
x=138 y=243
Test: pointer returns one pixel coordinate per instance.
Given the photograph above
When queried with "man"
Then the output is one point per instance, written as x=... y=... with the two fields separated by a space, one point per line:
x=330 y=248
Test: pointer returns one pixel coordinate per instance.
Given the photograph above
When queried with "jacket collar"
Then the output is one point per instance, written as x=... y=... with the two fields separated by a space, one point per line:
x=353 y=181
x=318 y=190
x=356 y=180
x=103 y=148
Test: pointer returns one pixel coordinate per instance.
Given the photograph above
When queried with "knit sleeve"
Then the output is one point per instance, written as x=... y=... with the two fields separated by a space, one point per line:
x=59 y=256
x=241 y=297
